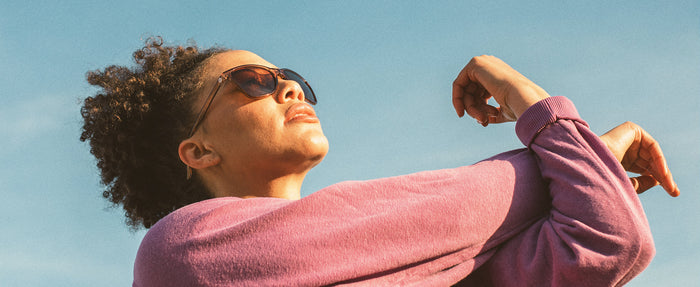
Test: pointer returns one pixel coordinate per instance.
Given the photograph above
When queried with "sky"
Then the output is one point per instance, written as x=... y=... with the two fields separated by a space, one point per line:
x=383 y=73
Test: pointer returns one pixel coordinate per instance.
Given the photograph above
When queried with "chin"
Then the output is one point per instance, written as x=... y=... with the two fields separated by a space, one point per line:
x=318 y=148
x=308 y=147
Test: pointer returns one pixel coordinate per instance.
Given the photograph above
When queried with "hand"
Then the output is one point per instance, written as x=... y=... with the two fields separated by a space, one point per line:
x=639 y=153
x=485 y=77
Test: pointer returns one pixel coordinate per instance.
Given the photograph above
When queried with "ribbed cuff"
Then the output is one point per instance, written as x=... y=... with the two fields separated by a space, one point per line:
x=542 y=114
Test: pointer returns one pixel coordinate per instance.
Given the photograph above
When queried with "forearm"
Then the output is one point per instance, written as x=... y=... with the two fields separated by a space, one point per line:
x=596 y=232
x=421 y=224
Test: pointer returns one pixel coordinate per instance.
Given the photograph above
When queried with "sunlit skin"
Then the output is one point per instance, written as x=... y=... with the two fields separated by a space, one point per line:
x=639 y=153
x=253 y=147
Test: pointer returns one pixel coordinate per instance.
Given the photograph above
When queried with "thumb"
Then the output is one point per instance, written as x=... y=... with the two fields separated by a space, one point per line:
x=643 y=183
x=500 y=115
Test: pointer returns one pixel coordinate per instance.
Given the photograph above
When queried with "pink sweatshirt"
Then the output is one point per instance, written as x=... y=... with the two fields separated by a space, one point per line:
x=560 y=213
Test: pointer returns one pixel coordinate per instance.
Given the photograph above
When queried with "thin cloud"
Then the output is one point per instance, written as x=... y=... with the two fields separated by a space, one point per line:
x=26 y=120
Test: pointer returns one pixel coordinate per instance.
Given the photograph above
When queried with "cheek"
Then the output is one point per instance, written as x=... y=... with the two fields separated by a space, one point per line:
x=248 y=129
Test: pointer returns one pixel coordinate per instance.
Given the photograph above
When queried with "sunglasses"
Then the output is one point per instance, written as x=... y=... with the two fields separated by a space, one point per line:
x=256 y=82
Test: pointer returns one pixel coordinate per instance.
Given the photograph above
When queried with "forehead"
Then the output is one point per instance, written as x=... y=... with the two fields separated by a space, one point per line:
x=229 y=59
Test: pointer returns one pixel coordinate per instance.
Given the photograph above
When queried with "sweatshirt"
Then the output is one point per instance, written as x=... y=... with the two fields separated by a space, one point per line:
x=559 y=212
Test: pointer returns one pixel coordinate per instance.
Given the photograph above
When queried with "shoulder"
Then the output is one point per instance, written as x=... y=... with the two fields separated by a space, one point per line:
x=160 y=244
x=203 y=216
x=170 y=248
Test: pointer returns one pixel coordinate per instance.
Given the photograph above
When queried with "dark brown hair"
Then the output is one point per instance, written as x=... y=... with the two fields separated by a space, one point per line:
x=135 y=123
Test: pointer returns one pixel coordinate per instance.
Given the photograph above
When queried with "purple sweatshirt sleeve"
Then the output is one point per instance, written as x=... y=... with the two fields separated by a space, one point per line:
x=596 y=233
x=561 y=211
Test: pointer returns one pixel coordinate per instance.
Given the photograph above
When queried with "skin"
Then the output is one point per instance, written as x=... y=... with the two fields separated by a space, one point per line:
x=247 y=147
x=639 y=153
x=486 y=77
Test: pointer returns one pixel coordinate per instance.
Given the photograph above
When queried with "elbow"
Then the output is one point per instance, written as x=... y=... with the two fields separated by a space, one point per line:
x=640 y=251
x=642 y=243
x=645 y=249
x=617 y=258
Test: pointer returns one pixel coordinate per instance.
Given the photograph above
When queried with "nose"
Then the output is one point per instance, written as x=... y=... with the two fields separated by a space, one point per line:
x=289 y=90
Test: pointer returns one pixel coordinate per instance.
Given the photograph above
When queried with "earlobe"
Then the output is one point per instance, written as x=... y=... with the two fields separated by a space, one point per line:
x=195 y=155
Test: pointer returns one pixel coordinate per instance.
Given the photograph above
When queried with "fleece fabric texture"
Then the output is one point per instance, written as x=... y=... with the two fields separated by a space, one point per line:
x=560 y=212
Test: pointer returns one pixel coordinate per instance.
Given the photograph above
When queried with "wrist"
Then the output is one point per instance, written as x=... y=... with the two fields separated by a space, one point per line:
x=526 y=97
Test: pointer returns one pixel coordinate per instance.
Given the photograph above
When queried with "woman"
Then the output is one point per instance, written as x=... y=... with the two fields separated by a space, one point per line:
x=209 y=149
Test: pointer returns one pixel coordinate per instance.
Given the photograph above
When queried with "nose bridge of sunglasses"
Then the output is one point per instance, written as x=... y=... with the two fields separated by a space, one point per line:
x=281 y=74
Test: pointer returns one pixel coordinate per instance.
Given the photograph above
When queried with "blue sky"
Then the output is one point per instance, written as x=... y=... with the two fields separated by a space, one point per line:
x=382 y=71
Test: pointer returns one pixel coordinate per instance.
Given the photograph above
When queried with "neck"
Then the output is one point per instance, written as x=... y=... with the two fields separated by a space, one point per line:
x=256 y=184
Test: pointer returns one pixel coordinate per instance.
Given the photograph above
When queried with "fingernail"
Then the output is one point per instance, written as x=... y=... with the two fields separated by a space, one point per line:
x=492 y=118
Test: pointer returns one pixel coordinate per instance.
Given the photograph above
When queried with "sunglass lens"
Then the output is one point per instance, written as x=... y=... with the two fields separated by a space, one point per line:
x=308 y=92
x=255 y=82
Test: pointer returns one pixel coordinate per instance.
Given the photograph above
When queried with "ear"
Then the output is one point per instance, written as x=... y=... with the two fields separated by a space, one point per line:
x=196 y=155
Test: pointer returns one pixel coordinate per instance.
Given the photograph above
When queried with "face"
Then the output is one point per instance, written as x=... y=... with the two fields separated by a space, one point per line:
x=274 y=134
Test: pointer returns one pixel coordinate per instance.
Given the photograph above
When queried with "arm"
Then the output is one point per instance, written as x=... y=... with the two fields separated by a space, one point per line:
x=487 y=77
x=428 y=229
x=596 y=232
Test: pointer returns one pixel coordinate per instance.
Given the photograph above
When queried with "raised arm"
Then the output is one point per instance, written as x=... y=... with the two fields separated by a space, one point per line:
x=487 y=77
x=596 y=233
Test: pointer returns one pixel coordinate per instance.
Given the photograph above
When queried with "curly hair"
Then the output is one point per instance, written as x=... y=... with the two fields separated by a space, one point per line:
x=135 y=124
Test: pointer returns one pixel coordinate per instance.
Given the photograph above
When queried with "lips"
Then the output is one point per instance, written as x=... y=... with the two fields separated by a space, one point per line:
x=301 y=112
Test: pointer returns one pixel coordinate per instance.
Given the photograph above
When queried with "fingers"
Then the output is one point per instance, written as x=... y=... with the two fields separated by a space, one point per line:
x=499 y=115
x=639 y=152
x=643 y=183
x=468 y=95
x=485 y=77
x=471 y=97
x=650 y=152
x=458 y=99
x=474 y=102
